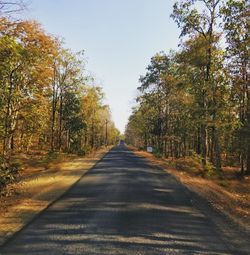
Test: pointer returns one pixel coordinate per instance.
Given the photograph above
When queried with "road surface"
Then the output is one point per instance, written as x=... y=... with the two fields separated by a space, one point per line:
x=122 y=206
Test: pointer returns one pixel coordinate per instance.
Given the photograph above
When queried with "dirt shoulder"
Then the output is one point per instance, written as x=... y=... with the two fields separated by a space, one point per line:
x=37 y=188
x=229 y=196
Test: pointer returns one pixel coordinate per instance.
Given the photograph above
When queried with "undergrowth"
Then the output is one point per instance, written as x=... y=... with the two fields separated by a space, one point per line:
x=193 y=164
x=8 y=174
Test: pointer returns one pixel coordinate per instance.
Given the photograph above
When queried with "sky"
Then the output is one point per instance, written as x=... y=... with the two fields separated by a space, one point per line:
x=118 y=36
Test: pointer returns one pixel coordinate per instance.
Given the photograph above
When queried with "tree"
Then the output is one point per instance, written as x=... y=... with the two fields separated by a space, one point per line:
x=68 y=68
x=202 y=24
x=25 y=70
x=197 y=99
x=73 y=121
x=236 y=26
x=153 y=90
x=46 y=99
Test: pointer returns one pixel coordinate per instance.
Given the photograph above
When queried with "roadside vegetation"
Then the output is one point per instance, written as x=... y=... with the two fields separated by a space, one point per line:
x=193 y=105
x=48 y=102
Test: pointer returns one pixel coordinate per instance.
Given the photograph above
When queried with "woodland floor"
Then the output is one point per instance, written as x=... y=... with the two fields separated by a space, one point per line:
x=227 y=193
x=41 y=181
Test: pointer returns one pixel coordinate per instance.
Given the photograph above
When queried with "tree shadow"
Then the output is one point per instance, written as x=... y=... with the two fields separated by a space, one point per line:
x=122 y=206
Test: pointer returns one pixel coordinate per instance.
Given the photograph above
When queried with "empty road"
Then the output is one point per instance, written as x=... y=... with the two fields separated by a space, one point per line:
x=122 y=206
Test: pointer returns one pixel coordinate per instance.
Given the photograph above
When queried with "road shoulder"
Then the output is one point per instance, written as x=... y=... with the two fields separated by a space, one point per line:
x=39 y=191
x=209 y=200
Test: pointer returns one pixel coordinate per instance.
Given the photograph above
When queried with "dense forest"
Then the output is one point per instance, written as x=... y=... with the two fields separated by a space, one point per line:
x=196 y=101
x=48 y=102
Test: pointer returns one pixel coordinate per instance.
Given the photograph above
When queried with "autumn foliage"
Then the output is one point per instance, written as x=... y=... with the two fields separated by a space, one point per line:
x=47 y=101
x=196 y=101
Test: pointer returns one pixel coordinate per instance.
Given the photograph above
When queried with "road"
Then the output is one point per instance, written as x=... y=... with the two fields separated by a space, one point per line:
x=121 y=206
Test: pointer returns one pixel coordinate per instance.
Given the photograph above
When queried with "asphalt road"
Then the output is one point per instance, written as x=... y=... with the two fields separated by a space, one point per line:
x=122 y=206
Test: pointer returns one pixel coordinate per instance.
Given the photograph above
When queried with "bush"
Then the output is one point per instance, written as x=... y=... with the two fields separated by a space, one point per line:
x=157 y=153
x=87 y=149
x=7 y=174
x=141 y=148
x=209 y=170
x=193 y=164
x=81 y=152
x=189 y=164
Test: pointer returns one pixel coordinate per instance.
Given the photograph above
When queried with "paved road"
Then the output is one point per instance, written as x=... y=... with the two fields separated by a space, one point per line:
x=122 y=206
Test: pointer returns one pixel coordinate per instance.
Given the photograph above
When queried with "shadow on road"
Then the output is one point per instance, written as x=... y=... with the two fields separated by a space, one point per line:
x=122 y=206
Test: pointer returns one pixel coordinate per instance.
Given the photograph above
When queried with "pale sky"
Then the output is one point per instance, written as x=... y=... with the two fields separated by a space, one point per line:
x=119 y=38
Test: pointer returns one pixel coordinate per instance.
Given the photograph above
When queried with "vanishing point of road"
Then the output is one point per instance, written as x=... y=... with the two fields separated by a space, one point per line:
x=123 y=205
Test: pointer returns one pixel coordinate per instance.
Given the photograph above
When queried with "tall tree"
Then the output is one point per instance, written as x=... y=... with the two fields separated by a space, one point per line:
x=25 y=59
x=236 y=27
x=153 y=84
x=193 y=23
x=68 y=69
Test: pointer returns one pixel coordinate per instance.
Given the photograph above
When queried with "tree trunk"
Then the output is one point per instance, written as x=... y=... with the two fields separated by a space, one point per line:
x=53 y=127
x=92 y=134
x=29 y=143
x=60 y=123
x=204 y=144
x=198 y=143
x=248 y=160
x=9 y=121
x=242 y=168
x=217 y=152
x=248 y=130
x=54 y=104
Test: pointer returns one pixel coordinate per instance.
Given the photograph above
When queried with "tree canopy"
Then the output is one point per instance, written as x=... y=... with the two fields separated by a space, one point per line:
x=48 y=101
x=197 y=99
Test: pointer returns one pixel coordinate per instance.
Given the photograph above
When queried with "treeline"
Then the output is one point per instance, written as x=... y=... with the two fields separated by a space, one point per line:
x=47 y=101
x=197 y=100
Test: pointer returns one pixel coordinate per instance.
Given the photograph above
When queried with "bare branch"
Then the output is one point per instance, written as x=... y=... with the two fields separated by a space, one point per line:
x=11 y=6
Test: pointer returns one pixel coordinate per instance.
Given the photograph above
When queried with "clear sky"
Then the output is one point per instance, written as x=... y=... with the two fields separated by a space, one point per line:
x=119 y=38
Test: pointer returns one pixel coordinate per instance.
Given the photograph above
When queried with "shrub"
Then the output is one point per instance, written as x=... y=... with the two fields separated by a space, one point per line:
x=189 y=164
x=7 y=174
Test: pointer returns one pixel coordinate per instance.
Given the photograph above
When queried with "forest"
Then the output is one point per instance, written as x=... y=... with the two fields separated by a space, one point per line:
x=48 y=101
x=196 y=101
